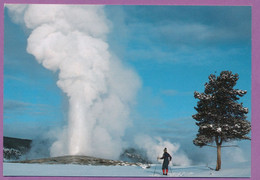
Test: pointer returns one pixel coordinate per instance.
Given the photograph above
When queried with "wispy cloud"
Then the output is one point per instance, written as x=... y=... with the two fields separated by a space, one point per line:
x=29 y=120
x=13 y=105
x=169 y=92
x=196 y=35
x=173 y=92
x=16 y=111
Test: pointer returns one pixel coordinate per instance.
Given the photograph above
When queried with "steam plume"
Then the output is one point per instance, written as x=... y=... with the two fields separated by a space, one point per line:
x=71 y=40
x=154 y=148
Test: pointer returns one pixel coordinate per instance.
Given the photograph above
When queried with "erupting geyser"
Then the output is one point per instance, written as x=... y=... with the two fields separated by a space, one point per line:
x=71 y=40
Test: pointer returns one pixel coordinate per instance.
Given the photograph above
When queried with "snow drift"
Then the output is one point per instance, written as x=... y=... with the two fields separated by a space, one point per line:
x=19 y=169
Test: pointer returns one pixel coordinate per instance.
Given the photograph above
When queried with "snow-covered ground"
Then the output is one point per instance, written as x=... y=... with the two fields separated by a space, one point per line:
x=18 y=169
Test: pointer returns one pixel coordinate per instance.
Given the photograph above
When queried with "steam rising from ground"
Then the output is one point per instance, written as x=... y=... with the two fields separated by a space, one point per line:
x=154 y=148
x=71 y=40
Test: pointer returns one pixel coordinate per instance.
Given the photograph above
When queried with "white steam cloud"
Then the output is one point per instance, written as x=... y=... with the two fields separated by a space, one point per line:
x=154 y=148
x=71 y=40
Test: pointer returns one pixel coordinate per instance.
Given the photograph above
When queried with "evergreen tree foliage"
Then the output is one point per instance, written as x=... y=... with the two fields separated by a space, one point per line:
x=220 y=117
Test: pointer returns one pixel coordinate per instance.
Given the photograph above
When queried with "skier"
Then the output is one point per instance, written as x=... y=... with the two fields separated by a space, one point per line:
x=166 y=160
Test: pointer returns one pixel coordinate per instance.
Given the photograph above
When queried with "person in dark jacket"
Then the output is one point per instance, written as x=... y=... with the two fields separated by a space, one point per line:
x=166 y=160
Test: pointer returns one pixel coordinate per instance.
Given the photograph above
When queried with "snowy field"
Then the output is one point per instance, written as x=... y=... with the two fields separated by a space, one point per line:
x=17 y=169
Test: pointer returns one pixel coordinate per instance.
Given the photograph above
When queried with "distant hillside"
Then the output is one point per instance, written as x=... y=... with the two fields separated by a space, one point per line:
x=16 y=143
x=14 y=148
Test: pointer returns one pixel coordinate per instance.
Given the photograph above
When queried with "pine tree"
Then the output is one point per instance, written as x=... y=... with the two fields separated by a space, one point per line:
x=220 y=117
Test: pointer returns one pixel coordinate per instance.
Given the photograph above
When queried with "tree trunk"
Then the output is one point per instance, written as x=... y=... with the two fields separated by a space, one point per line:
x=218 y=167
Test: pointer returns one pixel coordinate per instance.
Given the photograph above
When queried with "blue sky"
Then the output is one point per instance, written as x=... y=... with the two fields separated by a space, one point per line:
x=173 y=49
x=31 y=97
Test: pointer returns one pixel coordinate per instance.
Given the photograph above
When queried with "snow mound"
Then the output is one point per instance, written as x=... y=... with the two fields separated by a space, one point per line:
x=81 y=160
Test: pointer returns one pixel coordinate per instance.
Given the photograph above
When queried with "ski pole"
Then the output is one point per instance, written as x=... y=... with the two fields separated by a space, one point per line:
x=170 y=169
x=154 y=170
x=155 y=166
